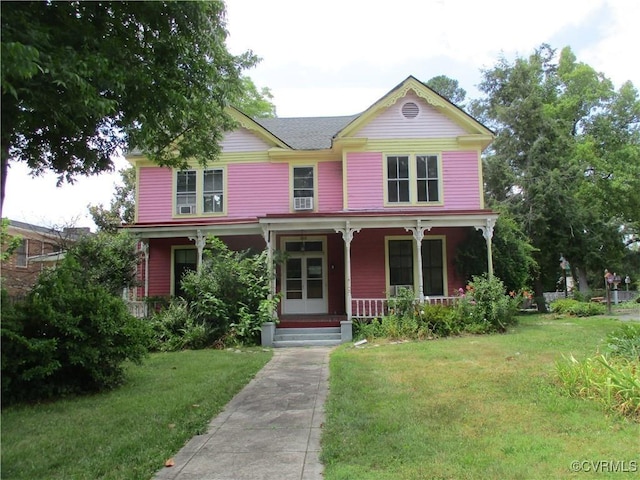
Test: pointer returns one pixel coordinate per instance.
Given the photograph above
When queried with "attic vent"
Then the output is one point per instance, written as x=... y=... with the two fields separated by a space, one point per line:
x=410 y=110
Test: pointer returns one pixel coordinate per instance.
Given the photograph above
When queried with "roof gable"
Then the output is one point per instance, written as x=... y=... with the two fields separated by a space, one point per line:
x=412 y=85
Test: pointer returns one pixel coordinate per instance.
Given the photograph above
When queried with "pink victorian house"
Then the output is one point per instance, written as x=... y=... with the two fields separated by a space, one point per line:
x=362 y=205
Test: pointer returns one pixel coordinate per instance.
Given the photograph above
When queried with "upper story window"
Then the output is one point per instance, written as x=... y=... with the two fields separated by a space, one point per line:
x=303 y=188
x=186 y=192
x=213 y=191
x=22 y=253
x=412 y=179
x=200 y=191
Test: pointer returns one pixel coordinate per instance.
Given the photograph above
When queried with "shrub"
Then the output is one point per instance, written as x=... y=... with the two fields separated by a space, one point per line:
x=569 y=306
x=486 y=307
x=69 y=336
x=439 y=320
x=175 y=329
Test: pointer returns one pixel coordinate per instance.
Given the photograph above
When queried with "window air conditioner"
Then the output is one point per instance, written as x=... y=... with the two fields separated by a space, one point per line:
x=184 y=209
x=303 y=203
x=394 y=291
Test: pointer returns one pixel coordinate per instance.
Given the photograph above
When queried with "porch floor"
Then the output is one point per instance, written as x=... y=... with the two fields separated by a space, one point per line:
x=310 y=321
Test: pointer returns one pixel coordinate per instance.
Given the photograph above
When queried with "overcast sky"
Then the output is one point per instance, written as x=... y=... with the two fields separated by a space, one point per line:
x=337 y=57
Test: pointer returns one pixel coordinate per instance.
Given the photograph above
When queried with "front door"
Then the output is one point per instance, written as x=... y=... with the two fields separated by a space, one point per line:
x=304 y=274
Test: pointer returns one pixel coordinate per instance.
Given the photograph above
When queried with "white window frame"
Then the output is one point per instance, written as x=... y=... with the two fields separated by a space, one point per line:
x=413 y=179
x=22 y=257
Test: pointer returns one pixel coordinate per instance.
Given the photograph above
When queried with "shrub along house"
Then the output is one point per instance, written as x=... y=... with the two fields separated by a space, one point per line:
x=360 y=206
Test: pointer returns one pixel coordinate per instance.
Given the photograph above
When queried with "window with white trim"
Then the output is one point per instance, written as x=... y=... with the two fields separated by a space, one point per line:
x=412 y=179
x=401 y=261
x=213 y=191
x=303 y=188
x=186 y=192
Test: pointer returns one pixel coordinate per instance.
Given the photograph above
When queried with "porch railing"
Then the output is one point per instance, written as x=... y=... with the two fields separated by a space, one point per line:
x=379 y=307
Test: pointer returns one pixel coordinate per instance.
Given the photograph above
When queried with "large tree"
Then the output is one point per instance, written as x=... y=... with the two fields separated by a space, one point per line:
x=564 y=138
x=82 y=81
x=449 y=88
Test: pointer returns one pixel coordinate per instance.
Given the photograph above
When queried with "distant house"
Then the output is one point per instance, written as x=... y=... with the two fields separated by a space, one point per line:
x=361 y=205
x=40 y=247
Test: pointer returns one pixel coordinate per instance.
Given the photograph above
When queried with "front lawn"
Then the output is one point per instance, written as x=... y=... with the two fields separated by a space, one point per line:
x=473 y=407
x=129 y=432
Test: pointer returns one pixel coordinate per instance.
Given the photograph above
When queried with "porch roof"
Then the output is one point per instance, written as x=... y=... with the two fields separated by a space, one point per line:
x=318 y=222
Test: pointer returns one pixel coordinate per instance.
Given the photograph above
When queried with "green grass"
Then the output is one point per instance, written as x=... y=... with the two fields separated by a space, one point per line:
x=471 y=407
x=127 y=433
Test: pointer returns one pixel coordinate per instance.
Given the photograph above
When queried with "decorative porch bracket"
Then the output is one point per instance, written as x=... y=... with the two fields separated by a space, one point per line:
x=487 y=233
x=200 y=241
x=347 y=236
x=418 y=235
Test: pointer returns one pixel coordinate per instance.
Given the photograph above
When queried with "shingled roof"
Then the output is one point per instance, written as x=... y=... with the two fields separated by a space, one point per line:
x=306 y=133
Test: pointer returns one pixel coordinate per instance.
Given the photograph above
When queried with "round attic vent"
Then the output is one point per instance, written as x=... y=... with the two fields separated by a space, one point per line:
x=410 y=110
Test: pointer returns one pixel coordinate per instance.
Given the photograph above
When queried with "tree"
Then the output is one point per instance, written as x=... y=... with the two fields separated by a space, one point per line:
x=81 y=81
x=254 y=103
x=122 y=208
x=448 y=88
x=545 y=109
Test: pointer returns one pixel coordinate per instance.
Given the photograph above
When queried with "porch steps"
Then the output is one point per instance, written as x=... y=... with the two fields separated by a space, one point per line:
x=306 y=337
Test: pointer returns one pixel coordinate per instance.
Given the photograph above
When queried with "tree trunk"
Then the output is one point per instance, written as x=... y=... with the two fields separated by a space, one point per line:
x=583 y=284
x=539 y=296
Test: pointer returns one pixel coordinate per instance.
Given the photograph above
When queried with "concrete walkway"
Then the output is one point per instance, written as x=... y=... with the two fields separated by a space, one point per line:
x=270 y=430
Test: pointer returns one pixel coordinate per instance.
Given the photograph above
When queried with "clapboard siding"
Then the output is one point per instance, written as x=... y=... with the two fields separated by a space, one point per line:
x=368 y=264
x=429 y=123
x=364 y=181
x=257 y=189
x=154 y=194
x=330 y=186
x=243 y=140
x=461 y=182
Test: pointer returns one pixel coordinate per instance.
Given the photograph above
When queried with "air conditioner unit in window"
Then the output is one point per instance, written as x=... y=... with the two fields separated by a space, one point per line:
x=303 y=203
x=185 y=209
x=395 y=290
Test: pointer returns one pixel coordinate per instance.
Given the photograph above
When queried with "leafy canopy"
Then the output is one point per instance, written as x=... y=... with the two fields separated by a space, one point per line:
x=81 y=81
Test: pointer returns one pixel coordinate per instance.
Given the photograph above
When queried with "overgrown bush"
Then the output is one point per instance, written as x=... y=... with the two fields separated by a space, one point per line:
x=70 y=335
x=226 y=301
x=486 y=307
x=625 y=342
x=569 y=306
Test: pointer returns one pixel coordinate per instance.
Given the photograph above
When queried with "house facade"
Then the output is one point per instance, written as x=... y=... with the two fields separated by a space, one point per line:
x=39 y=248
x=360 y=205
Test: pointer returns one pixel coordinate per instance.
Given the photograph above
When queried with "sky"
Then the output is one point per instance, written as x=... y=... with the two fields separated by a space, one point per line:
x=338 y=57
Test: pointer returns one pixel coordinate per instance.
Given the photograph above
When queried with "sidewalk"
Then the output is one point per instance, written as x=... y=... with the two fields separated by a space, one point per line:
x=270 y=430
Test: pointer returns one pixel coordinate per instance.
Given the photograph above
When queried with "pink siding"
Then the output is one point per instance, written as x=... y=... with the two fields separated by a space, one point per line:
x=154 y=195
x=461 y=183
x=367 y=264
x=365 y=181
x=243 y=140
x=329 y=186
x=257 y=189
x=429 y=123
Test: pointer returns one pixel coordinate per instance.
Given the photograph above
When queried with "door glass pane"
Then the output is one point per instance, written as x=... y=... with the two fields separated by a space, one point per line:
x=314 y=288
x=294 y=279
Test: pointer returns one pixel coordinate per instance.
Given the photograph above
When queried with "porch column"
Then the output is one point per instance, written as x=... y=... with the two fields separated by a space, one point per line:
x=144 y=248
x=418 y=235
x=347 y=236
x=487 y=233
x=201 y=241
x=267 y=234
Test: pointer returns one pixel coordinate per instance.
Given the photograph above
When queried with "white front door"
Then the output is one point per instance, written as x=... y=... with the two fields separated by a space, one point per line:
x=305 y=285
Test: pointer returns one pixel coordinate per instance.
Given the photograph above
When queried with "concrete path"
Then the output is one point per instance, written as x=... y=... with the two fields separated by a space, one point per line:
x=270 y=430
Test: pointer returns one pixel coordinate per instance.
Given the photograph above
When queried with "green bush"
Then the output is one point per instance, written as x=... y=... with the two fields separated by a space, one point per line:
x=569 y=306
x=485 y=307
x=226 y=301
x=70 y=335
x=440 y=320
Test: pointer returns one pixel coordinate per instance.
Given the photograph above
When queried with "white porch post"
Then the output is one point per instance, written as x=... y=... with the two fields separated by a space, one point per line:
x=267 y=234
x=144 y=248
x=487 y=233
x=347 y=236
x=200 y=241
x=418 y=235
